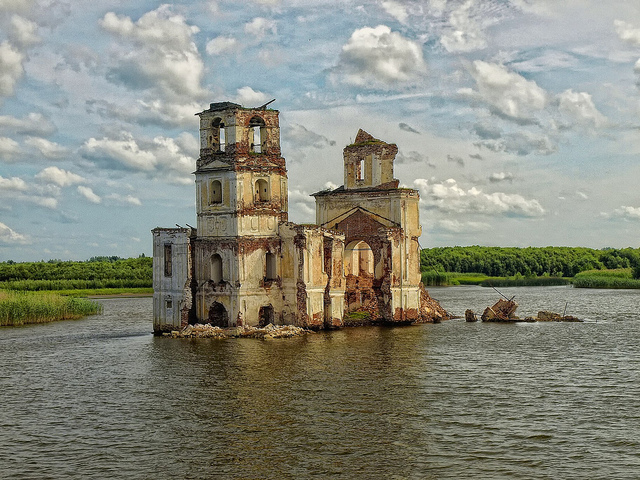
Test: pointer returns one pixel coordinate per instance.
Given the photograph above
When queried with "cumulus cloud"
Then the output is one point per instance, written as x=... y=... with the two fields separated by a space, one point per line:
x=248 y=96
x=124 y=199
x=59 y=177
x=23 y=32
x=87 y=193
x=627 y=32
x=154 y=112
x=627 y=213
x=11 y=237
x=11 y=69
x=13 y=184
x=9 y=149
x=173 y=158
x=457 y=226
x=501 y=177
x=449 y=197
x=304 y=202
x=521 y=143
x=221 y=44
x=379 y=57
x=580 y=107
x=463 y=34
x=506 y=93
x=259 y=27
x=301 y=137
x=33 y=124
x=396 y=10
x=164 y=58
x=47 y=149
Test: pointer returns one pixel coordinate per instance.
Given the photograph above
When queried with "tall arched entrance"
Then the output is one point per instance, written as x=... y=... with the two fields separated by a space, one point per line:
x=359 y=271
x=218 y=316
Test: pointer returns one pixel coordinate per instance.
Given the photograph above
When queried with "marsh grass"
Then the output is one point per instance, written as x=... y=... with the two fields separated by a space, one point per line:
x=614 y=278
x=20 y=308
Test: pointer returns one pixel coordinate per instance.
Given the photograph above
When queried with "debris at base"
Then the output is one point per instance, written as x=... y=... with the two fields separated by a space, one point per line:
x=501 y=311
x=504 y=311
x=209 y=331
x=469 y=316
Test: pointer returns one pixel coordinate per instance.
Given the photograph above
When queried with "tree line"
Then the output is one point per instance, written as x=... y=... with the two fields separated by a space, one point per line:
x=108 y=271
x=530 y=261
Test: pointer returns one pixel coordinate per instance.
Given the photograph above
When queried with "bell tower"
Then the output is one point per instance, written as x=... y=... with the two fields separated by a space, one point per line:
x=241 y=177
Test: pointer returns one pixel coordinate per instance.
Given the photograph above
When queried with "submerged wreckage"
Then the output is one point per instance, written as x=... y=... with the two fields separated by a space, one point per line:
x=246 y=265
x=504 y=311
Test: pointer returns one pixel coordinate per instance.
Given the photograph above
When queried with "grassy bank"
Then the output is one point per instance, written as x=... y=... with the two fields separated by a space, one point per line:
x=20 y=308
x=433 y=278
x=615 y=278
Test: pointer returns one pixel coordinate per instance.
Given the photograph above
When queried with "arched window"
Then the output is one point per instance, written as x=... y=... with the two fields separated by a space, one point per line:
x=262 y=191
x=257 y=135
x=270 y=270
x=216 y=268
x=217 y=138
x=215 y=192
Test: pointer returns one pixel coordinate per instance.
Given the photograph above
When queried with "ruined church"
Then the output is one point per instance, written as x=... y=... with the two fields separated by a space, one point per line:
x=246 y=264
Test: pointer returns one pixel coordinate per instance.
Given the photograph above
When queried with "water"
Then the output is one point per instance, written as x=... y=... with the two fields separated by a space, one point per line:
x=101 y=397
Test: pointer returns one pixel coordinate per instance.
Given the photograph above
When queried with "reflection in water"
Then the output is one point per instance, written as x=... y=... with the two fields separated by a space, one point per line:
x=102 y=397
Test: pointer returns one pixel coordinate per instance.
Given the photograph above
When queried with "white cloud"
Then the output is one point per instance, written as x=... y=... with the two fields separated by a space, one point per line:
x=464 y=34
x=221 y=44
x=173 y=159
x=249 y=97
x=59 y=177
x=449 y=197
x=628 y=213
x=125 y=199
x=87 y=193
x=23 y=32
x=9 y=149
x=379 y=57
x=259 y=27
x=579 y=106
x=11 y=69
x=627 y=32
x=32 y=124
x=521 y=143
x=13 y=184
x=501 y=177
x=506 y=92
x=48 y=149
x=11 y=237
x=301 y=137
x=396 y=10
x=457 y=226
x=164 y=57
x=153 y=112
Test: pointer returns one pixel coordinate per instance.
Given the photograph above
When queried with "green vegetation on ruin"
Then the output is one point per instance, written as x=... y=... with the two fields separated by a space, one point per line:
x=509 y=266
x=20 y=308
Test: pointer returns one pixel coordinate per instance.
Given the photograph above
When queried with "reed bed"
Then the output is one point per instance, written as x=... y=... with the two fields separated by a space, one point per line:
x=20 y=308
x=615 y=278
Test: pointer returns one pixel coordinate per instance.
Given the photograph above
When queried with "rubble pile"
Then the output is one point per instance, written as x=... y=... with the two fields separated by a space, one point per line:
x=505 y=311
x=501 y=311
x=208 y=331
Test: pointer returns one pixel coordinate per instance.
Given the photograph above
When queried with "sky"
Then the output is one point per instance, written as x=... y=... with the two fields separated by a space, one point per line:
x=517 y=120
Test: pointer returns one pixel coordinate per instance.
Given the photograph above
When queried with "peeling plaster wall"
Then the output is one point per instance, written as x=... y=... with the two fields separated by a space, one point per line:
x=172 y=298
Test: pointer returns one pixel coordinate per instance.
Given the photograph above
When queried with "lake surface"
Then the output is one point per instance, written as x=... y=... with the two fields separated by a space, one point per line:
x=101 y=397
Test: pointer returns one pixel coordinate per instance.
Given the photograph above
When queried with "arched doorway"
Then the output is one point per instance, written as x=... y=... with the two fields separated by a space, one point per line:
x=265 y=316
x=218 y=316
x=358 y=259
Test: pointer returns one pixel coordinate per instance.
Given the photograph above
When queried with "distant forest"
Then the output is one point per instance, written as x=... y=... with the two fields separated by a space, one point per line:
x=531 y=261
x=97 y=272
